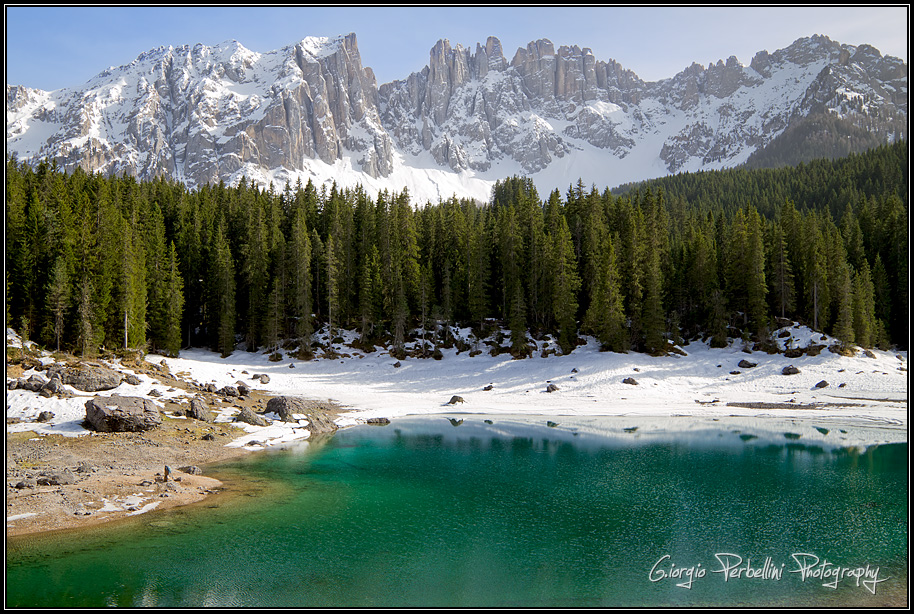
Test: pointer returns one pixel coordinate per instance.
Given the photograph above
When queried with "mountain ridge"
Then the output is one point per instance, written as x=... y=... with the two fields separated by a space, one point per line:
x=311 y=110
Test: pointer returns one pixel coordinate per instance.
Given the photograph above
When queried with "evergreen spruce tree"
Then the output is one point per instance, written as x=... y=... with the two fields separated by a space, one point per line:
x=632 y=266
x=223 y=294
x=652 y=314
x=605 y=318
x=174 y=304
x=517 y=321
x=370 y=294
x=478 y=273
x=134 y=289
x=109 y=245
x=864 y=308
x=817 y=275
x=400 y=314
x=844 y=314
x=757 y=288
x=87 y=336
x=333 y=283
x=782 y=278
x=299 y=258
x=566 y=283
x=59 y=296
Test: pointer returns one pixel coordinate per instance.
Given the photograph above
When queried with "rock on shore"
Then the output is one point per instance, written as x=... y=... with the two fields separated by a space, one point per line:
x=118 y=414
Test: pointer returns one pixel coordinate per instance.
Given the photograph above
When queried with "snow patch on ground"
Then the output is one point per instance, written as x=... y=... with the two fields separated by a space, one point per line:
x=868 y=388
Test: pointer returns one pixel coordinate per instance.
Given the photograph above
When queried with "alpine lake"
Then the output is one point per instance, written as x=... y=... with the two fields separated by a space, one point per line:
x=499 y=511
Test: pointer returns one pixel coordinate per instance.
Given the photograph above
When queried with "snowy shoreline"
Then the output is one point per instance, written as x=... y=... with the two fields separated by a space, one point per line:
x=868 y=388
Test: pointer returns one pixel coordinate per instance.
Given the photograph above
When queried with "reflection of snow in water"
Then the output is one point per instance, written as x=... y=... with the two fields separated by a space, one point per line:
x=628 y=431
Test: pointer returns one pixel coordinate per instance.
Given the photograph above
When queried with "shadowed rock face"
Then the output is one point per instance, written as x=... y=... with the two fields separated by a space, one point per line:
x=118 y=414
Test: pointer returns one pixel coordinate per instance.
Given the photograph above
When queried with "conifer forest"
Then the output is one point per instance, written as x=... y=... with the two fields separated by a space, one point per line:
x=99 y=263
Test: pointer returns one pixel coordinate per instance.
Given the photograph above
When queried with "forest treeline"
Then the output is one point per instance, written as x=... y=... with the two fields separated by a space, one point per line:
x=108 y=262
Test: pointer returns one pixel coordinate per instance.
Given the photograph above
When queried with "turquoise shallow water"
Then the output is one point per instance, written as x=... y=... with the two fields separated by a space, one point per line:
x=422 y=513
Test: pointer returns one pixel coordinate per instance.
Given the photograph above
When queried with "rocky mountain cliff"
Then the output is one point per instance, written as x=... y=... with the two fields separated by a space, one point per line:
x=312 y=110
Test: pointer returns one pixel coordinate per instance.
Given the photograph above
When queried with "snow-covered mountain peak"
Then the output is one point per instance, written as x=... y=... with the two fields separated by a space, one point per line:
x=311 y=110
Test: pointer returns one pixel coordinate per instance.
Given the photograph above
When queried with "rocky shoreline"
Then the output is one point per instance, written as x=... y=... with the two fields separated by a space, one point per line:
x=65 y=482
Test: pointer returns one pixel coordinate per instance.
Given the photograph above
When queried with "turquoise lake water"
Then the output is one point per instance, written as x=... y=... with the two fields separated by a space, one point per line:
x=423 y=513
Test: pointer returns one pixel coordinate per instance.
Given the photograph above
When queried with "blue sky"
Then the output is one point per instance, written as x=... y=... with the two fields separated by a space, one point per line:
x=54 y=47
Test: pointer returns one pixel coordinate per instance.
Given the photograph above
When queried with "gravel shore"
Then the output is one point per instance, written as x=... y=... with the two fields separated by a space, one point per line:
x=66 y=482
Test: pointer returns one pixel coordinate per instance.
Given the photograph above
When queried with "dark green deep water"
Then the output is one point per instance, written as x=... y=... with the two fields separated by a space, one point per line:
x=420 y=513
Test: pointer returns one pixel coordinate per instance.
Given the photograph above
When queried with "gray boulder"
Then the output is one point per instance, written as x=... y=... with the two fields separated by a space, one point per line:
x=198 y=410
x=789 y=370
x=228 y=391
x=745 y=364
x=285 y=407
x=54 y=386
x=456 y=399
x=552 y=388
x=822 y=384
x=243 y=389
x=263 y=377
x=630 y=380
x=249 y=417
x=88 y=378
x=378 y=421
x=34 y=383
x=56 y=479
x=118 y=414
x=133 y=380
